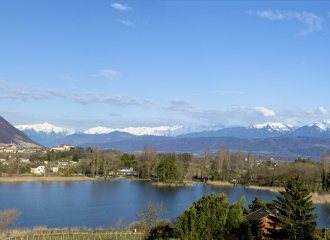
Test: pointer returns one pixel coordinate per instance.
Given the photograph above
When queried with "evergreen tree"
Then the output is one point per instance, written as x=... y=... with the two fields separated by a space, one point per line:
x=75 y=157
x=167 y=169
x=212 y=217
x=257 y=204
x=294 y=210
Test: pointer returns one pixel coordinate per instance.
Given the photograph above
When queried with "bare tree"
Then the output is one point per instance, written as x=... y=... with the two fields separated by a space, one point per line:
x=151 y=213
x=8 y=219
x=325 y=166
x=206 y=163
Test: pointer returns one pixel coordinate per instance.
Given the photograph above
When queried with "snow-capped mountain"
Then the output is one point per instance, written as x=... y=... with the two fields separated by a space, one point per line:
x=49 y=135
x=156 y=131
x=45 y=133
x=254 y=131
x=272 y=127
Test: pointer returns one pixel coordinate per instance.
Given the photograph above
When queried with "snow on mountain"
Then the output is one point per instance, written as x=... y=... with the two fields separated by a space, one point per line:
x=46 y=128
x=279 y=127
x=320 y=126
x=156 y=131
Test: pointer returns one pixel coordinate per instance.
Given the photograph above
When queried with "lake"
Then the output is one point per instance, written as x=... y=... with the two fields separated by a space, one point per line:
x=96 y=203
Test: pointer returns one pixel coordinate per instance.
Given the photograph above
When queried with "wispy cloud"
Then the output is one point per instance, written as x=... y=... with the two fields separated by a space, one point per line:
x=127 y=23
x=312 y=21
x=66 y=77
x=10 y=90
x=111 y=74
x=228 y=92
x=121 y=7
x=115 y=115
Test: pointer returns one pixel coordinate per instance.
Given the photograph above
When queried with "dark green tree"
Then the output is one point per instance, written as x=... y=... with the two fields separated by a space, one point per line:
x=257 y=204
x=75 y=157
x=212 y=217
x=294 y=211
x=167 y=170
x=327 y=182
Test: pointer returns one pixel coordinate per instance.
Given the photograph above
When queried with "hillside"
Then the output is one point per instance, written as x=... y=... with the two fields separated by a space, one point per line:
x=293 y=147
x=10 y=134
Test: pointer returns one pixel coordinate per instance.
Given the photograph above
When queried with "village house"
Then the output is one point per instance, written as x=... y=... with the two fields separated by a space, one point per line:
x=37 y=169
x=126 y=170
x=62 y=163
x=11 y=148
x=260 y=222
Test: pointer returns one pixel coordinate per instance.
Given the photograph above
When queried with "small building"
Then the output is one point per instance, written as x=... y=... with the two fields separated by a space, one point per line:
x=62 y=163
x=260 y=221
x=62 y=148
x=37 y=169
x=126 y=170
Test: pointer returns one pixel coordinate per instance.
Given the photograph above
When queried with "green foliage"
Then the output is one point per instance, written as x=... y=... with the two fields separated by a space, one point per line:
x=128 y=162
x=167 y=169
x=327 y=182
x=302 y=160
x=212 y=217
x=269 y=162
x=163 y=229
x=257 y=204
x=215 y=176
x=294 y=209
x=75 y=157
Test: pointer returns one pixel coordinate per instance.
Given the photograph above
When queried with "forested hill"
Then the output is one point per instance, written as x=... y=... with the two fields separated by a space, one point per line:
x=306 y=147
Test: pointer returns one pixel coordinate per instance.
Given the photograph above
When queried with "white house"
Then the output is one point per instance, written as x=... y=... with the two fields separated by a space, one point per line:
x=126 y=170
x=38 y=169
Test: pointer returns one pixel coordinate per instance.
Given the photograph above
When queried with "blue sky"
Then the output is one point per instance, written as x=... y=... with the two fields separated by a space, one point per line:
x=82 y=64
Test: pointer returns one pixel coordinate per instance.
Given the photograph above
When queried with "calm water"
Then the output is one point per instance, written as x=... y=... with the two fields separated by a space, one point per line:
x=96 y=203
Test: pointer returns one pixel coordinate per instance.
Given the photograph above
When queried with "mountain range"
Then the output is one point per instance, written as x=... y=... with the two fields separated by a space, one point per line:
x=269 y=139
x=49 y=135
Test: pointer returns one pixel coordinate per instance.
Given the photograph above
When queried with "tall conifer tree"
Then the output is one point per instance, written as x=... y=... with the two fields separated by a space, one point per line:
x=294 y=210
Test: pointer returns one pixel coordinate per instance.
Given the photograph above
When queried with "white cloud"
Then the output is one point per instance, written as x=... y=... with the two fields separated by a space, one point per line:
x=229 y=92
x=243 y=116
x=121 y=7
x=322 y=110
x=312 y=21
x=127 y=23
x=10 y=90
x=265 y=111
x=111 y=74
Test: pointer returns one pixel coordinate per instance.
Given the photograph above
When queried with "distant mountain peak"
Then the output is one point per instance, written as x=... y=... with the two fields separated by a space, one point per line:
x=272 y=126
x=47 y=128
x=156 y=131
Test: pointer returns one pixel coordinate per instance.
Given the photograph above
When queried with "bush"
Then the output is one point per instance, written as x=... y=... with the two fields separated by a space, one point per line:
x=163 y=229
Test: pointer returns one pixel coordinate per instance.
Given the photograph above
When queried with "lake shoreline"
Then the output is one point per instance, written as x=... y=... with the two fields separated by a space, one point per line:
x=45 y=179
x=317 y=197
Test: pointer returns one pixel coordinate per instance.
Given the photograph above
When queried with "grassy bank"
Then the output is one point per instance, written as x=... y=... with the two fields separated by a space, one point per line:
x=317 y=197
x=45 y=179
x=162 y=184
x=219 y=183
x=43 y=233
